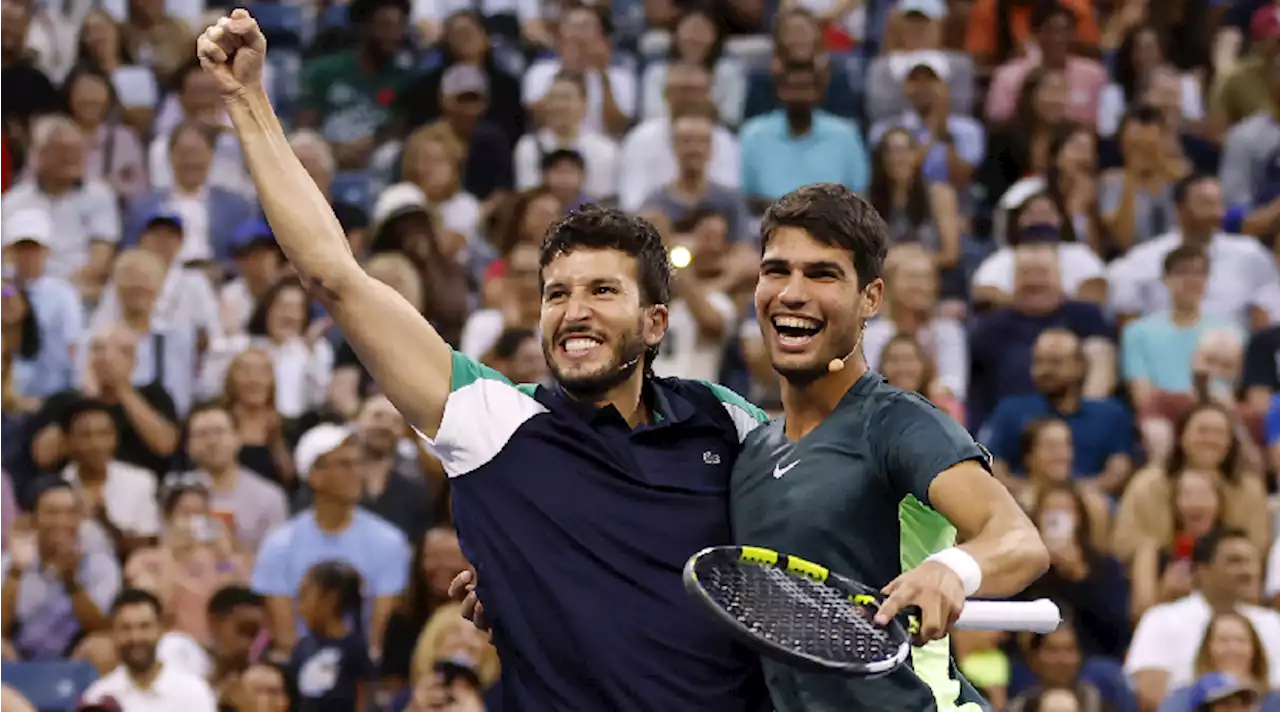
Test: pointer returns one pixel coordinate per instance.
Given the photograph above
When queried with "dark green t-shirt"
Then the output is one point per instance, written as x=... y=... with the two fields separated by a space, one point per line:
x=352 y=105
x=853 y=495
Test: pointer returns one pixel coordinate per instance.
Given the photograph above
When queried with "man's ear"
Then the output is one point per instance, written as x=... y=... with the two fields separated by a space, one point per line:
x=872 y=298
x=657 y=318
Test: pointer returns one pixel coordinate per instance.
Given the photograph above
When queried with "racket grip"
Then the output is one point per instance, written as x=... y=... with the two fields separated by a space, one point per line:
x=1038 y=616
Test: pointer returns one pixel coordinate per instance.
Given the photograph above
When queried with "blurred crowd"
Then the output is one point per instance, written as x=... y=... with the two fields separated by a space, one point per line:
x=207 y=504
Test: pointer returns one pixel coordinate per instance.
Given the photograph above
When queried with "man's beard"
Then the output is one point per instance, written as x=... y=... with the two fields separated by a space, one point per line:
x=627 y=357
x=138 y=664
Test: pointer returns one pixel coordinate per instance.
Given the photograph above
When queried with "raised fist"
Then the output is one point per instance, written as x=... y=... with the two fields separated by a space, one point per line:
x=233 y=50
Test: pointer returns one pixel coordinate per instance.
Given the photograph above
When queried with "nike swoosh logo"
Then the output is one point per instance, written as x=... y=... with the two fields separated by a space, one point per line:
x=779 y=470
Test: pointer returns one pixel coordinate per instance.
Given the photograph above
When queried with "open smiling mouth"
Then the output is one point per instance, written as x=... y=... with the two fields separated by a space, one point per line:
x=579 y=345
x=796 y=332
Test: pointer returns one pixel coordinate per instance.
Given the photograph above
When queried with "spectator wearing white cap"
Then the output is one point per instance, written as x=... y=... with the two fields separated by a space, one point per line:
x=915 y=26
x=333 y=528
x=54 y=303
x=84 y=219
x=952 y=144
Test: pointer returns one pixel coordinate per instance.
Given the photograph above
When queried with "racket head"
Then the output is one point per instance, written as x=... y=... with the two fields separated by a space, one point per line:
x=796 y=612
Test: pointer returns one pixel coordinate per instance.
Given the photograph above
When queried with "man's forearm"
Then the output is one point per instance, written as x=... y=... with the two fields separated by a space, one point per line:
x=1011 y=555
x=303 y=222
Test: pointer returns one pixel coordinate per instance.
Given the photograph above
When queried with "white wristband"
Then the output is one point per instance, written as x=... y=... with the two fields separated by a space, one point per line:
x=965 y=566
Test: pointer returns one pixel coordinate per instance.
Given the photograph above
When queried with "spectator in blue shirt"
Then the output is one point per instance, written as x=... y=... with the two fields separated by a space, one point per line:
x=334 y=528
x=801 y=144
x=1101 y=430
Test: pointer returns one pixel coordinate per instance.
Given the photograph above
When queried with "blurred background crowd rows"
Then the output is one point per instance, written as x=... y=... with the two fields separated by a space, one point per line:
x=1083 y=197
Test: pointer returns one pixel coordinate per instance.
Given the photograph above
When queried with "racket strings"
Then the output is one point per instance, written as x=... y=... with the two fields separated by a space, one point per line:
x=803 y=615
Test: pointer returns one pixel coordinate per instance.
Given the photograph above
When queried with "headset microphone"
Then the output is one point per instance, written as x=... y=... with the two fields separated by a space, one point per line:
x=836 y=365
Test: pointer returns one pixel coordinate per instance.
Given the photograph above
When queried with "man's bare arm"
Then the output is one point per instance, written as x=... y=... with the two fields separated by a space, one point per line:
x=408 y=359
x=994 y=529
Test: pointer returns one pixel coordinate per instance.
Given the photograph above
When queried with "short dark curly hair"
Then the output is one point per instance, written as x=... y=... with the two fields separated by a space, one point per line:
x=834 y=216
x=594 y=227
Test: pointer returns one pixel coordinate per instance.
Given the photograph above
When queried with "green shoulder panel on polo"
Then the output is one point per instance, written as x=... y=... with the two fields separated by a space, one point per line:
x=853 y=495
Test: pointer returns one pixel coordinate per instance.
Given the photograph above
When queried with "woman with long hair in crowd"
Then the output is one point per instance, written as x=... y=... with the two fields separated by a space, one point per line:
x=433 y=160
x=523 y=219
x=1072 y=183
x=450 y=645
x=518 y=303
x=1047 y=453
x=284 y=326
x=1231 y=645
x=1164 y=573
x=905 y=363
x=1140 y=55
x=696 y=38
x=249 y=391
x=917 y=211
x=195 y=556
x=1082 y=577
x=517 y=354
x=1206 y=441
x=113 y=151
x=1021 y=147
x=911 y=308
x=101 y=46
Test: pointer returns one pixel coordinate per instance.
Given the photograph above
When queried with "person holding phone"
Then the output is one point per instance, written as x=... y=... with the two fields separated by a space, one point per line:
x=1081 y=577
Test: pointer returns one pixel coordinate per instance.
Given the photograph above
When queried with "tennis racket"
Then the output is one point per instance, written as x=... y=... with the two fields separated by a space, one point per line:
x=807 y=617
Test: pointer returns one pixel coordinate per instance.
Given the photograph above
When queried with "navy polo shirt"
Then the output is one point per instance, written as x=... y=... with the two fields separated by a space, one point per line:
x=1000 y=346
x=1099 y=429
x=579 y=527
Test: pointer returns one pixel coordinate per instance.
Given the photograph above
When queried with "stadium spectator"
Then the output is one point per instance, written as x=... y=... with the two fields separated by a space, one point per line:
x=918 y=210
x=258 y=265
x=56 y=594
x=261 y=688
x=583 y=48
x=1163 y=573
x=1231 y=646
x=249 y=393
x=22 y=79
x=243 y=500
x=83 y=213
x=487 y=165
x=696 y=40
x=1056 y=660
x=562 y=120
x=437 y=558
x=448 y=641
x=694 y=190
x=1081 y=577
x=466 y=42
x=1101 y=430
x=146 y=418
x=952 y=144
x=1136 y=201
x=517 y=354
x=904 y=363
x=1227 y=576
x=516 y=302
x=798 y=41
x=1138 y=57
x=916 y=26
x=1244 y=89
x=114 y=153
x=331 y=662
x=1205 y=441
x=1019 y=146
x=1047 y=457
x=142 y=683
x=1243 y=283
x=328 y=459
x=196 y=102
x=910 y=309
x=801 y=143
x=1054 y=24
x=433 y=161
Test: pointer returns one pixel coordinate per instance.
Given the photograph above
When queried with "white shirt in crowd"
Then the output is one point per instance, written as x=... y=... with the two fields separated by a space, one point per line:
x=1271 y=588
x=650 y=159
x=1242 y=274
x=1169 y=636
x=129 y=496
x=1077 y=264
x=684 y=352
x=80 y=217
x=235 y=305
x=227 y=170
x=180 y=651
x=1112 y=105
x=481 y=332
x=622 y=83
x=193 y=208
x=460 y=214
x=302 y=372
x=173 y=689
x=599 y=153
x=186 y=297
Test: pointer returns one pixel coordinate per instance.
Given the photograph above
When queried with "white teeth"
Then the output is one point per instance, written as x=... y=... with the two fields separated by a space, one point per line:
x=795 y=322
x=580 y=345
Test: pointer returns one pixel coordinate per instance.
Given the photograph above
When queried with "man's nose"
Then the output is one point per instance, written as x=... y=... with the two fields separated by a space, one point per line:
x=577 y=308
x=794 y=294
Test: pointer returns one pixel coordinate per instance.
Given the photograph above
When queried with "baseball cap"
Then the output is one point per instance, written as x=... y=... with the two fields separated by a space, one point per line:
x=1265 y=23
x=316 y=443
x=164 y=217
x=106 y=703
x=901 y=65
x=28 y=225
x=396 y=200
x=1216 y=687
x=464 y=79
x=252 y=233
x=932 y=9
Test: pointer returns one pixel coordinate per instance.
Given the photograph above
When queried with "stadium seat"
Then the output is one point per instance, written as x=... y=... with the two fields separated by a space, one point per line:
x=352 y=187
x=281 y=23
x=50 y=686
